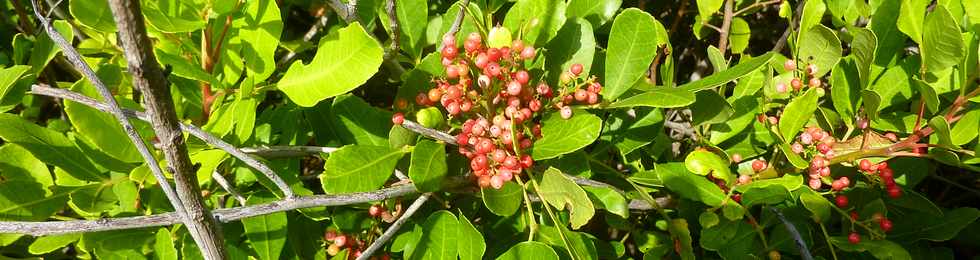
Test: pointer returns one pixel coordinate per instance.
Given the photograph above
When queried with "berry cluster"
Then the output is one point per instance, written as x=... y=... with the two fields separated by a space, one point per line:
x=817 y=144
x=884 y=224
x=884 y=173
x=492 y=91
x=797 y=83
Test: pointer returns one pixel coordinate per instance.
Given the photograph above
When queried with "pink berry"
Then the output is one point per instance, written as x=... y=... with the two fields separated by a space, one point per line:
x=576 y=69
x=527 y=52
x=581 y=95
x=815 y=183
x=789 y=65
x=736 y=158
x=797 y=148
x=375 y=210
x=449 y=51
x=566 y=112
x=815 y=83
x=806 y=138
x=496 y=182
x=398 y=118
x=854 y=238
x=522 y=76
x=514 y=88
x=780 y=88
x=758 y=165
x=744 y=179
x=340 y=241
x=796 y=84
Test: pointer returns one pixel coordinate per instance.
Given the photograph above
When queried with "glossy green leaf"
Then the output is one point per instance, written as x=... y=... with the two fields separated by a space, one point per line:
x=9 y=76
x=863 y=49
x=471 y=244
x=813 y=12
x=816 y=204
x=266 y=233
x=47 y=244
x=632 y=46
x=561 y=192
x=258 y=38
x=17 y=164
x=941 y=127
x=771 y=194
x=117 y=244
x=846 y=89
x=658 y=97
x=746 y=109
x=751 y=83
x=924 y=226
x=351 y=120
x=529 y=250
x=797 y=113
x=633 y=132
x=44 y=49
x=94 y=14
x=718 y=61
x=428 y=166
x=608 y=199
x=440 y=236
x=689 y=185
x=704 y=162
x=967 y=128
x=413 y=17
x=821 y=47
x=164 y=248
x=707 y=8
x=872 y=104
x=739 y=37
x=743 y=68
x=28 y=201
x=538 y=19
x=942 y=46
x=504 y=201
x=358 y=168
x=710 y=108
x=910 y=18
x=561 y=136
x=48 y=146
x=574 y=44
x=171 y=16
x=928 y=94
x=344 y=60
x=99 y=128
x=597 y=12
x=880 y=249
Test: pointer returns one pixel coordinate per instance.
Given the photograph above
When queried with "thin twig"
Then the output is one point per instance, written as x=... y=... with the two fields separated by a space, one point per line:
x=457 y=23
x=726 y=26
x=756 y=5
x=390 y=232
x=395 y=29
x=432 y=133
x=271 y=152
x=45 y=90
x=228 y=187
x=111 y=106
x=797 y=15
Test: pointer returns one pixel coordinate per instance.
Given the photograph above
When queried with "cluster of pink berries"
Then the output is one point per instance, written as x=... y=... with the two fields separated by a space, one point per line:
x=818 y=145
x=797 y=83
x=884 y=173
x=492 y=90
x=340 y=241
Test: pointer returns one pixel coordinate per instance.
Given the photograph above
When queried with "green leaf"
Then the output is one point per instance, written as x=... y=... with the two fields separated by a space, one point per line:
x=164 y=248
x=47 y=244
x=266 y=233
x=44 y=49
x=94 y=14
x=258 y=37
x=770 y=194
x=967 y=128
x=597 y=12
x=689 y=185
x=182 y=67
x=529 y=250
x=633 y=132
x=790 y=182
x=28 y=201
x=558 y=191
x=440 y=236
x=718 y=61
x=171 y=16
x=608 y=199
x=344 y=60
x=863 y=49
x=941 y=126
x=632 y=46
x=942 y=45
x=504 y=201
x=797 y=113
x=117 y=244
x=354 y=121
x=751 y=84
x=816 y=204
x=99 y=128
x=703 y=162
x=928 y=94
x=9 y=76
x=812 y=14
x=49 y=146
x=710 y=108
x=872 y=104
x=428 y=166
x=561 y=136
x=708 y=219
x=880 y=249
x=413 y=16
x=821 y=47
x=846 y=91
x=575 y=43
x=743 y=68
x=924 y=226
x=17 y=164
x=739 y=37
x=471 y=244
x=539 y=20
x=358 y=168
x=664 y=97
x=746 y=108
x=707 y=8
x=794 y=159
x=910 y=18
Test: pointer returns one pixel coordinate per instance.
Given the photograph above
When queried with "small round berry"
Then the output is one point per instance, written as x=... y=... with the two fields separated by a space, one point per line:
x=449 y=51
x=894 y=192
x=593 y=98
x=806 y=138
x=595 y=87
x=449 y=40
x=576 y=69
x=815 y=183
x=841 y=201
x=865 y=165
x=517 y=44
x=846 y=181
x=736 y=158
x=484 y=181
x=497 y=181
x=837 y=185
x=510 y=162
x=823 y=148
x=773 y=120
x=565 y=78
x=886 y=225
x=737 y=197
x=398 y=118
x=744 y=179
x=862 y=123
x=780 y=88
x=534 y=105
x=811 y=69
x=758 y=165
x=493 y=69
x=796 y=84
x=789 y=65
x=514 y=88
x=854 y=215
x=797 y=148
x=854 y=238
x=522 y=76
x=886 y=173
x=815 y=83
x=375 y=210
x=891 y=136
x=340 y=240
x=526 y=160
x=774 y=255
x=566 y=112
x=435 y=95
x=543 y=89
x=581 y=95
x=527 y=52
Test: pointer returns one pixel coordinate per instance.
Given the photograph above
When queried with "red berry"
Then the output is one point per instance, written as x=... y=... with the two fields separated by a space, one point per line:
x=479 y=162
x=375 y=210
x=886 y=173
x=544 y=90
x=841 y=201
x=526 y=161
x=493 y=69
x=576 y=69
x=796 y=83
x=494 y=54
x=789 y=65
x=581 y=95
x=522 y=76
x=595 y=87
x=865 y=165
x=823 y=148
x=737 y=197
x=837 y=185
x=886 y=225
x=398 y=118
x=527 y=52
x=340 y=241
x=497 y=181
x=894 y=192
x=854 y=215
x=854 y=238
x=758 y=165
x=514 y=88
x=449 y=51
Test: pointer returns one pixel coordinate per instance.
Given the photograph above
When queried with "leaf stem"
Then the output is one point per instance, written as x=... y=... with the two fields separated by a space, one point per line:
x=558 y=224
x=827 y=238
x=532 y=225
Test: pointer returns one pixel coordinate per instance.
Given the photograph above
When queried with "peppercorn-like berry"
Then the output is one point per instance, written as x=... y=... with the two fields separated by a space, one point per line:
x=854 y=238
x=841 y=201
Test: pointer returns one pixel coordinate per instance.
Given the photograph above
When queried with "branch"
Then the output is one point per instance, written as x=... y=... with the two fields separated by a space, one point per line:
x=347 y=12
x=726 y=26
x=797 y=14
x=431 y=133
x=756 y=5
x=111 y=106
x=390 y=232
x=454 y=28
x=395 y=29
x=272 y=152
x=227 y=186
x=192 y=129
